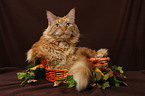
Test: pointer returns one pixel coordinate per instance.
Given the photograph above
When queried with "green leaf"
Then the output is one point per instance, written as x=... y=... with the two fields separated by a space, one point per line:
x=72 y=83
x=31 y=65
x=120 y=69
x=105 y=85
x=106 y=76
x=117 y=84
x=114 y=68
x=114 y=79
x=69 y=78
x=57 y=83
x=21 y=75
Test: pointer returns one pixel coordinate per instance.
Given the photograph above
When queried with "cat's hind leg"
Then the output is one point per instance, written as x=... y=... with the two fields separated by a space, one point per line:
x=81 y=72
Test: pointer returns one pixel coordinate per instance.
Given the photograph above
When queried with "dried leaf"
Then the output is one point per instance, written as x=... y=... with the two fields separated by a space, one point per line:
x=98 y=76
x=31 y=80
x=94 y=84
x=99 y=85
x=98 y=70
x=125 y=84
x=110 y=74
x=56 y=83
x=124 y=76
x=38 y=66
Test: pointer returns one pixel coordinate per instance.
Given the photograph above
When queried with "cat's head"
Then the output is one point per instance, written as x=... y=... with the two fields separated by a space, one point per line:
x=62 y=28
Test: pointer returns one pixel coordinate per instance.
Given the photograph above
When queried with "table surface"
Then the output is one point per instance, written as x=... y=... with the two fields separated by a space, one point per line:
x=9 y=86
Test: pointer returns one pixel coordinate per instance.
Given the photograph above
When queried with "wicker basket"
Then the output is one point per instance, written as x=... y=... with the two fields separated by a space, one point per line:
x=99 y=62
x=52 y=74
x=55 y=74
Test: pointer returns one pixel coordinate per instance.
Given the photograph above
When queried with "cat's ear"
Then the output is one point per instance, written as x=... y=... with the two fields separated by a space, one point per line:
x=71 y=15
x=50 y=16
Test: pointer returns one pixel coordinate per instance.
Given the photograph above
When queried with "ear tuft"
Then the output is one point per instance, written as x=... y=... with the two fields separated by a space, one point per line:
x=50 y=16
x=71 y=15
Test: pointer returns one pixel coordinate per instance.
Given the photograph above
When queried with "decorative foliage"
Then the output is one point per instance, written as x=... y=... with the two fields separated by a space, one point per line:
x=106 y=76
x=103 y=75
x=32 y=72
x=105 y=85
x=68 y=80
x=28 y=77
x=21 y=75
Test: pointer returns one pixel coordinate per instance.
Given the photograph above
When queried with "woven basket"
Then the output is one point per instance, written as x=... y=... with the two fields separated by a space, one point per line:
x=52 y=74
x=99 y=62
x=55 y=74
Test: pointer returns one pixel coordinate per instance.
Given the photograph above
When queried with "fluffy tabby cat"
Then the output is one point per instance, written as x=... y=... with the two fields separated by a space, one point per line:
x=57 y=44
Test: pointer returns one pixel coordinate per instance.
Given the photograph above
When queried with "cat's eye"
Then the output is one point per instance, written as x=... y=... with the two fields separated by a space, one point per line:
x=67 y=24
x=57 y=25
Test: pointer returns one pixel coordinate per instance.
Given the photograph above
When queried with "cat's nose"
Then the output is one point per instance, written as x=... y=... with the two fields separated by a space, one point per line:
x=63 y=29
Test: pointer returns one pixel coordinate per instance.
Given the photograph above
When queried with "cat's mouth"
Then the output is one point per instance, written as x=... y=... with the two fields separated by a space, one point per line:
x=65 y=35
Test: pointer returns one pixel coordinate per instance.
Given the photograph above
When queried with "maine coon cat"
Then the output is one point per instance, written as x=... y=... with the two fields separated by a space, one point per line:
x=58 y=45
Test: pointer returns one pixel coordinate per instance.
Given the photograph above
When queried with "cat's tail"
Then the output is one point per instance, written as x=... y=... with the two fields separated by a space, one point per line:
x=81 y=72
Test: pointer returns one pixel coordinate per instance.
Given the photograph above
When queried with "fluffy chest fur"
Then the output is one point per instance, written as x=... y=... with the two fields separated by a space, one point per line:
x=58 y=54
x=62 y=56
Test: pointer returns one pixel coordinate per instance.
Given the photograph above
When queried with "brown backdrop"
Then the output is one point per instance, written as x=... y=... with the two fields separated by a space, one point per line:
x=114 y=24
